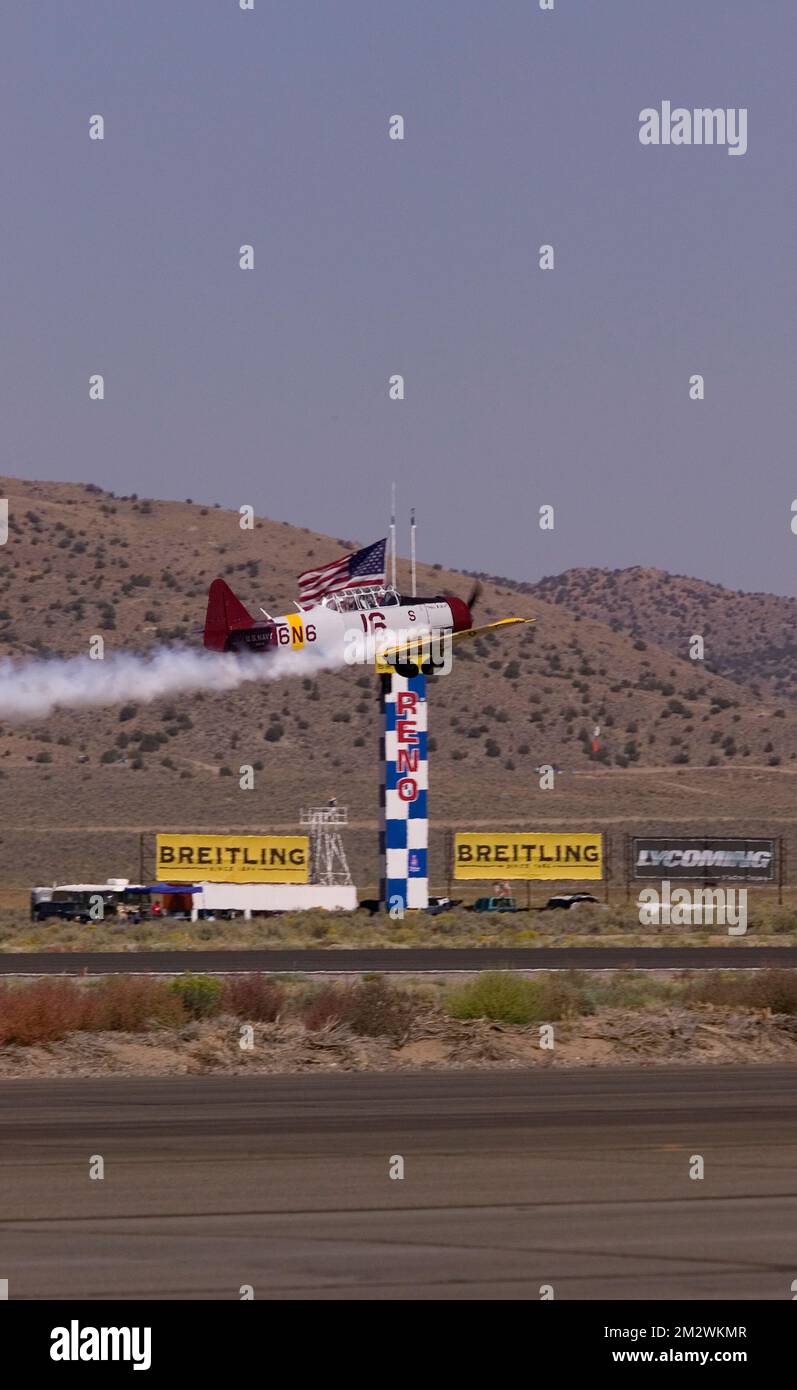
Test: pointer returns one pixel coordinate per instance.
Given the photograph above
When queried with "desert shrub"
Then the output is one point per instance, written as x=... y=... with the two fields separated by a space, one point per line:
x=714 y=987
x=208 y=931
x=144 y=932
x=509 y=998
x=329 y=1005
x=200 y=994
x=766 y=989
x=782 y=920
x=253 y=997
x=775 y=990
x=503 y=997
x=631 y=989
x=41 y=1012
x=150 y=743
x=49 y=1010
x=372 y=1009
x=131 y=1004
x=566 y=995
x=380 y=1010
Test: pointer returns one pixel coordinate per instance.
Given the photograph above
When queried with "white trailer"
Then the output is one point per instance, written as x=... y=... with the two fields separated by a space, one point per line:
x=272 y=897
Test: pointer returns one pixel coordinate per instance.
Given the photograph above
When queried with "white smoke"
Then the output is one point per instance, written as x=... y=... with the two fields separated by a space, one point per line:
x=34 y=689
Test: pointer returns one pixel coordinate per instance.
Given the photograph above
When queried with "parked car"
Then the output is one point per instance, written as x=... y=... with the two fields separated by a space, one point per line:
x=568 y=900
x=437 y=905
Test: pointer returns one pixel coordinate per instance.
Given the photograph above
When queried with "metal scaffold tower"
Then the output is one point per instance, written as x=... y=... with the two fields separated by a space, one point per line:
x=328 y=863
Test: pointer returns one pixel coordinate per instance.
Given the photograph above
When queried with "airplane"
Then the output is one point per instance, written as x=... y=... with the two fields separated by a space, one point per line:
x=419 y=627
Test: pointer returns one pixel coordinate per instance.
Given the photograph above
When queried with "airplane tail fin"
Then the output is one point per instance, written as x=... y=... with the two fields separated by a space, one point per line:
x=225 y=613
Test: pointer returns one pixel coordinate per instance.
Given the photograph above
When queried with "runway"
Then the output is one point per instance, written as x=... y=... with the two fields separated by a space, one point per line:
x=436 y=960
x=577 y=1179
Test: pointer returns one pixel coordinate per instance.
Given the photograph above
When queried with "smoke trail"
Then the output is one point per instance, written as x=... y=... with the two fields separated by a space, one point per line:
x=33 y=689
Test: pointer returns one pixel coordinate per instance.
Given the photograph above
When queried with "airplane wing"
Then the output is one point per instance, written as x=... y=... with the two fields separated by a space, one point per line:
x=391 y=655
x=488 y=627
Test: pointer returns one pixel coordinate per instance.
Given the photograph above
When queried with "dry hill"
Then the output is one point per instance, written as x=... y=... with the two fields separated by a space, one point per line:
x=80 y=561
x=750 y=638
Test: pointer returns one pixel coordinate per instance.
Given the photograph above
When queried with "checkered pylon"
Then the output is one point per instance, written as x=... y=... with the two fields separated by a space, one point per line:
x=405 y=793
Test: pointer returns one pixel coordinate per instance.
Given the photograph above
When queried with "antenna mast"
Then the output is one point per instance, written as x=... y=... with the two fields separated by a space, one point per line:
x=393 y=534
x=413 y=589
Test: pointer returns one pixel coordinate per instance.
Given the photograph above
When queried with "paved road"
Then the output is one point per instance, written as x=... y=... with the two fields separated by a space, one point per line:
x=436 y=960
x=577 y=1179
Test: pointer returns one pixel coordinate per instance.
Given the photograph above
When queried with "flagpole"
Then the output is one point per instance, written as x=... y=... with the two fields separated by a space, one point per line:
x=393 y=534
x=413 y=588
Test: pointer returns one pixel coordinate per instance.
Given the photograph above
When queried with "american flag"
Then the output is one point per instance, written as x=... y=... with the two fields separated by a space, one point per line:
x=362 y=568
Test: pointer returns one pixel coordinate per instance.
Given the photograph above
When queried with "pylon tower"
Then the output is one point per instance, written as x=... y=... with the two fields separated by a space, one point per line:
x=328 y=862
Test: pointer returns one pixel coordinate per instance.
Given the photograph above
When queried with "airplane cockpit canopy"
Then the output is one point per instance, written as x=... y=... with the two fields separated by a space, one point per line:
x=359 y=600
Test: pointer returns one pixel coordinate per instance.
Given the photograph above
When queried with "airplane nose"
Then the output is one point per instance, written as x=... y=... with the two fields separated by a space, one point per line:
x=460 y=614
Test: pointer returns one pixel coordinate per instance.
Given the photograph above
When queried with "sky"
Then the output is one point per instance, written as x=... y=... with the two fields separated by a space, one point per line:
x=374 y=257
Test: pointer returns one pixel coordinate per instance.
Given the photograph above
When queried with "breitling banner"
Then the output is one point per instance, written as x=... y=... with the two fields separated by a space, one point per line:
x=232 y=858
x=555 y=855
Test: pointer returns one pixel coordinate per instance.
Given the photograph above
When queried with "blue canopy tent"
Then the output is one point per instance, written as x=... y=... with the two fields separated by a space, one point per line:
x=163 y=888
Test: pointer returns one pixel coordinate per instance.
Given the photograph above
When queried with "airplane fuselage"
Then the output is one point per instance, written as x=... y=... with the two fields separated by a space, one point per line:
x=331 y=629
x=380 y=615
x=372 y=625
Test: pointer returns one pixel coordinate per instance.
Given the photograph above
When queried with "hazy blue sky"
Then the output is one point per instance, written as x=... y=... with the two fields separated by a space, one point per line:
x=374 y=257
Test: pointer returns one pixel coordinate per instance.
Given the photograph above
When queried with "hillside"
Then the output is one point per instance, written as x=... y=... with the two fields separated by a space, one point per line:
x=750 y=638
x=80 y=561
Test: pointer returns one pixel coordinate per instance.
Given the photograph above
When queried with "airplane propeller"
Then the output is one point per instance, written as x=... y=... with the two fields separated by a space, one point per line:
x=474 y=595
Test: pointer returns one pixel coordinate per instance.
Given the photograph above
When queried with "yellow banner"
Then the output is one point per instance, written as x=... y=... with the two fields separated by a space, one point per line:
x=551 y=856
x=232 y=858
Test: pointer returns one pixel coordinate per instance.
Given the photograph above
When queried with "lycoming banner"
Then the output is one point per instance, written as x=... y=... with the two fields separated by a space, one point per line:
x=704 y=858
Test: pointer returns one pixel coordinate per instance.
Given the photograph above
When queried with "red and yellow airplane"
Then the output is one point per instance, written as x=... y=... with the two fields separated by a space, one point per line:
x=369 y=622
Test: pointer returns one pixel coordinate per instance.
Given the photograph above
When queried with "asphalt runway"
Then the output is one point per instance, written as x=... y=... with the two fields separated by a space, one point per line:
x=577 y=1179
x=436 y=960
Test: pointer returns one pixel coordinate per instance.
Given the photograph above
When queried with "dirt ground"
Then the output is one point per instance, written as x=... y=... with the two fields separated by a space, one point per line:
x=652 y=1037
